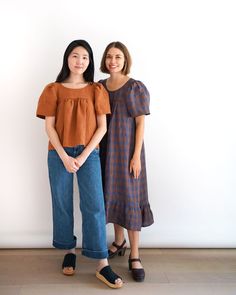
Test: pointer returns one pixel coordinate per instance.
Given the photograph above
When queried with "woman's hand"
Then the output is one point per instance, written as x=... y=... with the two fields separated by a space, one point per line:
x=135 y=163
x=71 y=164
x=80 y=160
x=135 y=166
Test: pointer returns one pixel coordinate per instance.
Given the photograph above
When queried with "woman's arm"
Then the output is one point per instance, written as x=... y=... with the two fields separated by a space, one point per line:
x=97 y=137
x=135 y=163
x=71 y=164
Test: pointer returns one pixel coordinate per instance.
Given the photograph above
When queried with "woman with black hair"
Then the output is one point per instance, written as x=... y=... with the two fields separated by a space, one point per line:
x=74 y=109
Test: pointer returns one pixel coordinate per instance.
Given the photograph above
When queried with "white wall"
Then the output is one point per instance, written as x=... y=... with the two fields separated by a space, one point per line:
x=184 y=51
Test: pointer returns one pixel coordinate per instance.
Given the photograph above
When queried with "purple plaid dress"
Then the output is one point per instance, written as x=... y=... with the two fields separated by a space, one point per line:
x=126 y=198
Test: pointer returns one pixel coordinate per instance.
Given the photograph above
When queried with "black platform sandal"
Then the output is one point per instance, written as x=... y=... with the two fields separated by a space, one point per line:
x=68 y=265
x=138 y=274
x=120 y=250
x=107 y=276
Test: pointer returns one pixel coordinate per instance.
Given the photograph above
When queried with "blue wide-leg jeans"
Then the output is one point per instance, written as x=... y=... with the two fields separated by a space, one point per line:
x=91 y=204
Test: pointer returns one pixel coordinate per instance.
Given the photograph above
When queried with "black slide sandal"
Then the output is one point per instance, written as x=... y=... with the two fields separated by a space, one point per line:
x=68 y=265
x=107 y=276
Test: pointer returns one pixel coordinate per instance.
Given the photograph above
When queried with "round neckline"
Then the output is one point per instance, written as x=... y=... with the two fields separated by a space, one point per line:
x=117 y=88
x=89 y=83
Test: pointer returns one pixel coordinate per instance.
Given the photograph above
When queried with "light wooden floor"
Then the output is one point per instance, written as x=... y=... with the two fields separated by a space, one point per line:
x=168 y=272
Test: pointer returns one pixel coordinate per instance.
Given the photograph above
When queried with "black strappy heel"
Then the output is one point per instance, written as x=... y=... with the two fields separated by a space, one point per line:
x=120 y=250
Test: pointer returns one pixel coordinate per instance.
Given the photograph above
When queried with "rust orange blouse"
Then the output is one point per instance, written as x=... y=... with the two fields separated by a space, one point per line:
x=75 y=111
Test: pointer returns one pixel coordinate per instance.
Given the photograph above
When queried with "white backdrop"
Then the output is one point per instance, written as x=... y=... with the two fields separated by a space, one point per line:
x=184 y=51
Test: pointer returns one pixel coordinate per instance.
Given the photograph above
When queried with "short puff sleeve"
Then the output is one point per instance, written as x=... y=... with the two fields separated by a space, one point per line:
x=138 y=100
x=102 y=105
x=47 y=104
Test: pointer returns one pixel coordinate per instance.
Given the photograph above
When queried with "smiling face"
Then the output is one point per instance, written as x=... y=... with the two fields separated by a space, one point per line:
x=78 y=60
x=115 y=60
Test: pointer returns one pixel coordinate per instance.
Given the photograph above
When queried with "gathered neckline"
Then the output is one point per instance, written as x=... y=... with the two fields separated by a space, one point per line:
x=89 y=83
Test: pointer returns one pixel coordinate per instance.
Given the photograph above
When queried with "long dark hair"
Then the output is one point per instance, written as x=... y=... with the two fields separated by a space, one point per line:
x=65 y=71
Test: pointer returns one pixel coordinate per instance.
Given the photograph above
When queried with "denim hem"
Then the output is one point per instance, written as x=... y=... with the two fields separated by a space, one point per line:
x=64 y=246
x=95 y=254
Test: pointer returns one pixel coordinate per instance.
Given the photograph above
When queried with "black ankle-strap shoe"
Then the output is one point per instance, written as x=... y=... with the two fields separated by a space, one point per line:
x=138 y=274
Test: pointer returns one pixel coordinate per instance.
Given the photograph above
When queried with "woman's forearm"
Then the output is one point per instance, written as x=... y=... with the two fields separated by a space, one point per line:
x=139 y=135
x=53 y=137
x=97 y=137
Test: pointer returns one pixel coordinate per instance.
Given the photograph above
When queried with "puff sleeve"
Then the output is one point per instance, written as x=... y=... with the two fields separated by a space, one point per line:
x=102 y=105
x=138 y=100
x=47 y=104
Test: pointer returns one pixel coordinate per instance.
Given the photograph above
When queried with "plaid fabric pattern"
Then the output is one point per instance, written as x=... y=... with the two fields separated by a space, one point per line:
x=126 y=198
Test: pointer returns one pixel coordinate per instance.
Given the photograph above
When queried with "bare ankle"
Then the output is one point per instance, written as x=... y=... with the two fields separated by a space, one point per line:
x=102 y=263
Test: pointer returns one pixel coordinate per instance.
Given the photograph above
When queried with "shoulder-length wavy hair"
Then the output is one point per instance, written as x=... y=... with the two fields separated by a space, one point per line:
x=125 y=51
x=65 y=71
